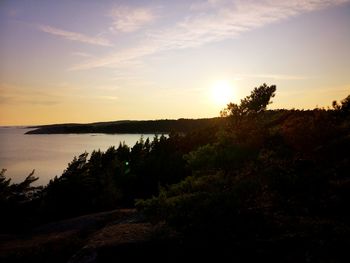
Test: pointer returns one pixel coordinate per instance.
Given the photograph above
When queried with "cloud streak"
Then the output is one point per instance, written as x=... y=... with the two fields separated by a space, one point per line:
x=74 y=36
x=126 y=19
x=272 y=76
x=216 y=21
x=14 y=95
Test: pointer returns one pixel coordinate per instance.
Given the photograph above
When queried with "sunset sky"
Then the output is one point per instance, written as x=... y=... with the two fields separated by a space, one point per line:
x=86 y=61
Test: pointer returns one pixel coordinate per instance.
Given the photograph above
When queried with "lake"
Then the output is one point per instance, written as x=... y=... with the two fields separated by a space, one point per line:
x=50 y=154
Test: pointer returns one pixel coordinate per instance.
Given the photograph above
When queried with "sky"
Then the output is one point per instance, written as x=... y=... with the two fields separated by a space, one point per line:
x=88 y=61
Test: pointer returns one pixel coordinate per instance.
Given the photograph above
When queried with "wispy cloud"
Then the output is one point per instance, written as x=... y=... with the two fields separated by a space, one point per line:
x=126 y=19
x=272 y=76
x=108 y=98
x=208 y=4
x=82 y=54
x=10 y=94
x=74 y=36
x=216 y=21
x=118 y=58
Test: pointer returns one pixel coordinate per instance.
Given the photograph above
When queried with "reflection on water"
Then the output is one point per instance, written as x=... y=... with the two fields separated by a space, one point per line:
x=50 y=154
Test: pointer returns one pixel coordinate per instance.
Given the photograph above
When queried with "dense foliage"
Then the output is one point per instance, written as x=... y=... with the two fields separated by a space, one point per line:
x=114 y=178
x=18 y=202
x=276 y=176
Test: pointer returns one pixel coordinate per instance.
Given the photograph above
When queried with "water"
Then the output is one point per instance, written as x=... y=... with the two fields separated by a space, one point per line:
x=50 y=154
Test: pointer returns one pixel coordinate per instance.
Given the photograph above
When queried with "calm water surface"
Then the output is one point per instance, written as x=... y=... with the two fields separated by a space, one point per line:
x=50 y=154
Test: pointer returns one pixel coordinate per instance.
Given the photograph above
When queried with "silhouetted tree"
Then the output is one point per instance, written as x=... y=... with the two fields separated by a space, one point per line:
x=4 y=185
x=258 y=99
x=256 y=102
x=343 y=107
x=18 y=202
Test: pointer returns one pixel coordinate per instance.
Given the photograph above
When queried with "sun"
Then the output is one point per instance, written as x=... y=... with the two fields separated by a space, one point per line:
x=222 y=92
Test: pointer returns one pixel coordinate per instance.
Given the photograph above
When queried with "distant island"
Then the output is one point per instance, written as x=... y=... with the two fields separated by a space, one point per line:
x=129 y=126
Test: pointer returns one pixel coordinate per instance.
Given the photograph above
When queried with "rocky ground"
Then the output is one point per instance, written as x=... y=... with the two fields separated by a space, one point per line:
x=125 y=236
x=90 y=238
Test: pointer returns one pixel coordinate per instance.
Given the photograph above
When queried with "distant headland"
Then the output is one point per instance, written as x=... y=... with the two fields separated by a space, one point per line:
x=129 y=126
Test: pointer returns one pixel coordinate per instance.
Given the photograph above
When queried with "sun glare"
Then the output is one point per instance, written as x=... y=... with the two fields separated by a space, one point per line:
x=222 y=92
